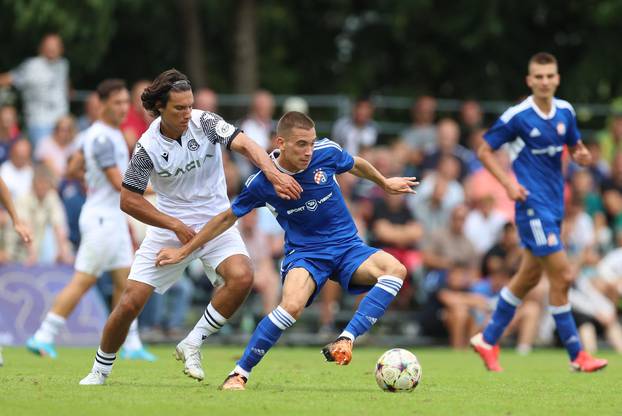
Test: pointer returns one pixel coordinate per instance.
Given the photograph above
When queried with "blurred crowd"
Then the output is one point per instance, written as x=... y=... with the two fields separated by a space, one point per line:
x=455 y=236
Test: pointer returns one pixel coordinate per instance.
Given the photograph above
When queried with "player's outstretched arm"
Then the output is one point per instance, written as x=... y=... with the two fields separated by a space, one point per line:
x=397 y=185
x=20 y=228
x=216 y=226
x=514 y=190
x=285 y=186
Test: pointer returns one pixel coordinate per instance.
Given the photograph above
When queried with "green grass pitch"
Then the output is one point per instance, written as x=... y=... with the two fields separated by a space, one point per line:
x=296 y=381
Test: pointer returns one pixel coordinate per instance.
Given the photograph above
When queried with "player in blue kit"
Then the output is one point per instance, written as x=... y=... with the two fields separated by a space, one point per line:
x=535 y=132
x=321 y=241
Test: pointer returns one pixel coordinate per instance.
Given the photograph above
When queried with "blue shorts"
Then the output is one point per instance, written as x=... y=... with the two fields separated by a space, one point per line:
x=540 y=236
x=334 y=263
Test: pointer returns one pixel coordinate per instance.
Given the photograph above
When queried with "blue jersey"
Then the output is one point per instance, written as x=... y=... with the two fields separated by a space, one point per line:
x=535 y=144
x=320 y=218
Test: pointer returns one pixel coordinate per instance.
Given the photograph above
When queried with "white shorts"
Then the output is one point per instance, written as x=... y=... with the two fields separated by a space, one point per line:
x=105 y=245
x=162 y=278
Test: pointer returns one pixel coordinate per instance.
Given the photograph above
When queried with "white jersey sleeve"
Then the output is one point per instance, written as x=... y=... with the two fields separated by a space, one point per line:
x=137 y=174
x=217 y=130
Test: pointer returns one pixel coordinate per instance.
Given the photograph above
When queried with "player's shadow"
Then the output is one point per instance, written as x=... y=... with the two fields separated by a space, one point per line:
x=277 y=388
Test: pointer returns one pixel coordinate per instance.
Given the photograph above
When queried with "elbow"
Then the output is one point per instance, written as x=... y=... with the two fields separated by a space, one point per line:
x=126 y=202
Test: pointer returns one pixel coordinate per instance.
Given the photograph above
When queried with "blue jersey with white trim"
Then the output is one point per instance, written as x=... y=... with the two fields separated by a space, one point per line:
x=320 y=218
x=535 y=143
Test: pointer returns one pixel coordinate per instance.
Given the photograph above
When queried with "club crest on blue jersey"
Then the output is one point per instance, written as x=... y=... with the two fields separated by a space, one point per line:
x=193 y=145
x=561 y=128
x=319 y=176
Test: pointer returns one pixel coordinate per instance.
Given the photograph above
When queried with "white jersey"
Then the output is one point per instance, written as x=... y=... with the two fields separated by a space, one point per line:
x=187 y=175
x=103 y=146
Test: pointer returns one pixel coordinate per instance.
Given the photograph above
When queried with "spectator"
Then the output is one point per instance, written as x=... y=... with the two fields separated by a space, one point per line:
x=258 y=124
x=138 y=119
x=448 y=246
x=206 y=99
x=54 y=151
x=358 y=131
x=437 y=195
x=483 y=224
x=451 y=308
x=394 y=230
x=504 y=255
x=91 y=112
x=448 y=134
x=17 y=172
x=9 y=130
x=471 y=120
x=610 y=140
x=43 y=212
x=294 y=103
x=608 y=278
x=482 y=183
x=582 y=189
x=421 y=135
x=44 y=83
x=612 y=197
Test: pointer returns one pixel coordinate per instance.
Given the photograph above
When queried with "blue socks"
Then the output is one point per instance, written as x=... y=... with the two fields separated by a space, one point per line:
x=501 y=318
x=265 y=336
x=373 y=306
x=567 y=329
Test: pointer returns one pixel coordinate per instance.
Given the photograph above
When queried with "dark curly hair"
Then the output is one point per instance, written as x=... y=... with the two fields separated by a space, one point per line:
x=157 y=94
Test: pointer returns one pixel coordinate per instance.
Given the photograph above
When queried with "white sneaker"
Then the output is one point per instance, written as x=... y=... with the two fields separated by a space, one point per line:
x=191 y=356
x=94 y=378
x=1 y=359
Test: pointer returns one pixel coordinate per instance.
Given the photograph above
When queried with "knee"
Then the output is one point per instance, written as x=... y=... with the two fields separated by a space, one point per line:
x=241 y=278
x=129 y=305
x=397 y=269
x=531 y=309
x=294 y=308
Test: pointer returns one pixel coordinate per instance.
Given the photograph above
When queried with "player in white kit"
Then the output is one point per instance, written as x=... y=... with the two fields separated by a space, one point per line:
x=181 y=155
x=106 y=245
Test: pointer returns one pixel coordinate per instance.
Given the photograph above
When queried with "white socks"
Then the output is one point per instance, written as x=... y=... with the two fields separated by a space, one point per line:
x=103 y=362
x=50 y=328
x=210 y=323
x=132 y=341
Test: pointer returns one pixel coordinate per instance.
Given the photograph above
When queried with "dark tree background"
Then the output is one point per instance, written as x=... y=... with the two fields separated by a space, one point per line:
x=470 y=48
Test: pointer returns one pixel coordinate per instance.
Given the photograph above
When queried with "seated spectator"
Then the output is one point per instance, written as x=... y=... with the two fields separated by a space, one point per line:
x=482 y=183
x=451 y=307
x=358 y=131
x=420 y=137
x=505 y=254
x=91 y=112
x=17 y=172
x=9 y=131
x=583 y=189
x=608 y=278
x=483 y=224
x=54 y=151
x=471 y=120
x=43 y=212
x=394 y=230
x=448 y=135
x=437 y=196
x=448 y=246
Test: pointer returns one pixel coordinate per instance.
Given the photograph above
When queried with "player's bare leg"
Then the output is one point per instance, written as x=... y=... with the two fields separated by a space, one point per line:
x=42 y=342
x=386 y=275
x=237 y=274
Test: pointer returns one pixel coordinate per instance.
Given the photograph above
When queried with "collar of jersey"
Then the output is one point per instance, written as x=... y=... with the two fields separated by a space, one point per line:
x=274 y=155
x=539 y=112
x=169 y=140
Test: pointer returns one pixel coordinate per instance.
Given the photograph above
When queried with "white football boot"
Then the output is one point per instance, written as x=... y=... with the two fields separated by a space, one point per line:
x=191 y=356
x=94 y=378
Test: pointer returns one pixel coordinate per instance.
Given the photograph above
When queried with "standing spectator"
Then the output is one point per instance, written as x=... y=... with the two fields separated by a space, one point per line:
x=138 y=119
x=258 y=124
x=437 y=195
x=421 y=135
x=206 y=99
x=44 y=83
x=9 y=131
x=55 y=150
x=42 y=211
x=17 y=171
x=471 y=120
x=358 y=131
x=92 y=107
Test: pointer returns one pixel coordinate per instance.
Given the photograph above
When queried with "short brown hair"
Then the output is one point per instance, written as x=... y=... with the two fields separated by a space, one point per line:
x=291 y=120
x=542 y=58
x=108 y=86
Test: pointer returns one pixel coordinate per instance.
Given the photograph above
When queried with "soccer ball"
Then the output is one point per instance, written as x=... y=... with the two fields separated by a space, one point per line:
x=398 y=370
